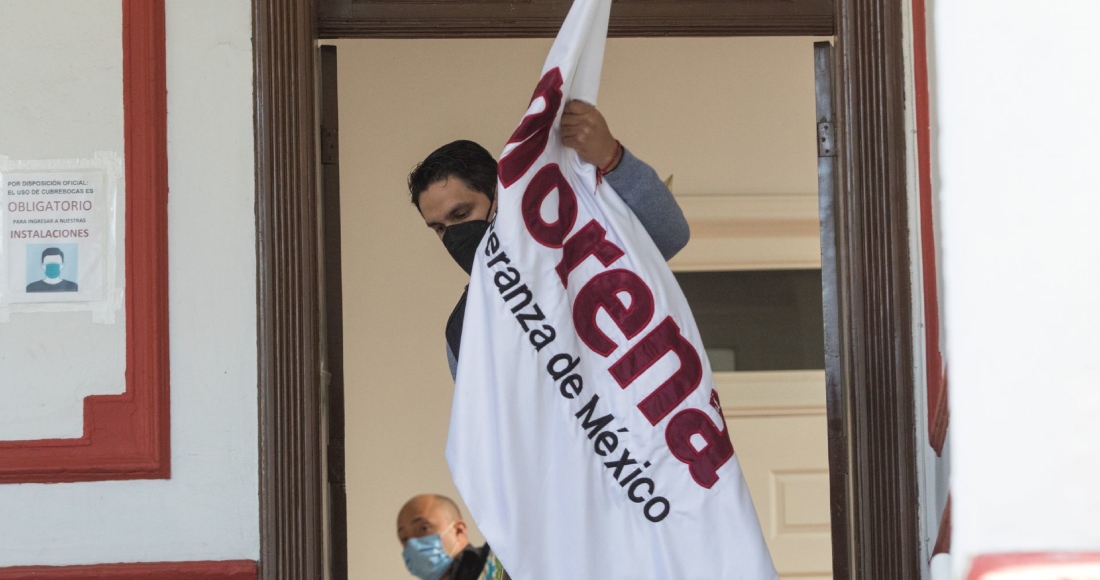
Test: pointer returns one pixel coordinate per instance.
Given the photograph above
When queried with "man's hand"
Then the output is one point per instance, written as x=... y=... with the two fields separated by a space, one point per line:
x=584 y=129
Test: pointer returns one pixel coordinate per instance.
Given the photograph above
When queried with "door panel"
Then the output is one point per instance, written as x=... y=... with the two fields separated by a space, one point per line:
x=778 y=426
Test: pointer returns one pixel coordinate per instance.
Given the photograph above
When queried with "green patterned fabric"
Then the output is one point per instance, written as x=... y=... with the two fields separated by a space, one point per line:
x=493 y=570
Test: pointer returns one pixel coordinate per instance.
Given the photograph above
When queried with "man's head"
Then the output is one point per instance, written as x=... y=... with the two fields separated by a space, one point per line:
x=455 y=184
x=432 y=533
x=429 y=514
x=53 y=261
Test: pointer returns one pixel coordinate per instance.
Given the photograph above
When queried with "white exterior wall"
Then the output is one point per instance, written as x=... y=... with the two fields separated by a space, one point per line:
x=1019 y=167
x=209 y=509
x=66 y=103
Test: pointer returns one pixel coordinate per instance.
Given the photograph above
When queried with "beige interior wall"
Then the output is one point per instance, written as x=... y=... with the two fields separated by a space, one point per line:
x=725 y=116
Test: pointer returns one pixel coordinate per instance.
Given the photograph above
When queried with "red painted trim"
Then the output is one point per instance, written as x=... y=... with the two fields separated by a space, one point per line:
x=934 y=365
x=939 y=416
x=127 y=436
x=227 y=570
x=990 y=563
x=943 y=535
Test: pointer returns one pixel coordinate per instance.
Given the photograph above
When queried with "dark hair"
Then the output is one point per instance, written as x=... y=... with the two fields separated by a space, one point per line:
x=465 y=160
x=52 y=252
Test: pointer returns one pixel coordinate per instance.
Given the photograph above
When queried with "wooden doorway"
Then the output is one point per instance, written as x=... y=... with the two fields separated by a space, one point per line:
x=872 y=446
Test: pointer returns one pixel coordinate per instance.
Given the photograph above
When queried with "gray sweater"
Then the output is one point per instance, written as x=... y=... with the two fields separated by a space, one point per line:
x=652 y=203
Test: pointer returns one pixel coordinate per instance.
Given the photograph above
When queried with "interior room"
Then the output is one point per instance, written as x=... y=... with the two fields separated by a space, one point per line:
x=728 y=121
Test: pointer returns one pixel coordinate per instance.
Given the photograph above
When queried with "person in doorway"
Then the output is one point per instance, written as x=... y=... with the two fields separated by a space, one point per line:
x=436 y=547
x=454 y=189
x=53 y=263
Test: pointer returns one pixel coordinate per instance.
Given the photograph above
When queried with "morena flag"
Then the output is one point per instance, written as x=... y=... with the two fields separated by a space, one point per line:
x=586 y=435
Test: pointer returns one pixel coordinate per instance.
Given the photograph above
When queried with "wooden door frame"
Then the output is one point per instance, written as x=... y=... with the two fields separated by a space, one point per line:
x=872 y=439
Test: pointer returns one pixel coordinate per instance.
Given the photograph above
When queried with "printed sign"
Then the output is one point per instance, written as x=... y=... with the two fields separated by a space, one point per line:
x=57 y=222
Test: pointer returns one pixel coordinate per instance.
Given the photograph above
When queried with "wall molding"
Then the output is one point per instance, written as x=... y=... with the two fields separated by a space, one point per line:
x=750 y=232
x=510 y=19
x=209 y=570
x=771 y=393
x=127 y=436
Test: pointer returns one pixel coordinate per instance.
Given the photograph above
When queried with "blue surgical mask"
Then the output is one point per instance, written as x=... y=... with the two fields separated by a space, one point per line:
x=425 y=557
x=53 y=270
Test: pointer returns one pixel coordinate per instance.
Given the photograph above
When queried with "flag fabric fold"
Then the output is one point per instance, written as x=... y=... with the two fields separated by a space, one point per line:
x=586 y=435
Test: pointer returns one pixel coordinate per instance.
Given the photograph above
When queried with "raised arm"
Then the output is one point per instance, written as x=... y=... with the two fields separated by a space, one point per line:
x=651 y=201
x=585 y=130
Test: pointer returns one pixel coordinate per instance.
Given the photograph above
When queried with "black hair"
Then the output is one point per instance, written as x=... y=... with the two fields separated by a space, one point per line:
x=53 y=252
x=462 y=159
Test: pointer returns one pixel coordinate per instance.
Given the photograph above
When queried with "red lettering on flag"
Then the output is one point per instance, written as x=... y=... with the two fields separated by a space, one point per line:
x=544 y=182
x=591 y=240
x=663 y=339
x=602 y=292
x=702 y=463
x=533 y=132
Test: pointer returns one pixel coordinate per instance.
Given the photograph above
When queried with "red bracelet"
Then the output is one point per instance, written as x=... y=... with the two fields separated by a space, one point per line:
x=601 y=171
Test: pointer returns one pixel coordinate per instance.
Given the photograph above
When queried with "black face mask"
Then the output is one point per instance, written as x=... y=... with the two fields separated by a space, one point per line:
x=461 y=241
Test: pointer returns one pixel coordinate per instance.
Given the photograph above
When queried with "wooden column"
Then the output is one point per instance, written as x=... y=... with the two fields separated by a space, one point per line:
x=291 y=499
x=874 y=292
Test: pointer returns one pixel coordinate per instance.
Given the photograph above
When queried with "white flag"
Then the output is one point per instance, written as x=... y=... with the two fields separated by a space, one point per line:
x=586 y=435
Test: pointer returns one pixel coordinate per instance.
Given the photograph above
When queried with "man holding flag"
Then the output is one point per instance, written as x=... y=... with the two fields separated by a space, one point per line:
x=586 y=436
x=454 y=189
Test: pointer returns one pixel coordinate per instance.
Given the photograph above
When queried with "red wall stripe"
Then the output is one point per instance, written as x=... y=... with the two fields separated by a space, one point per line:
x=934 y=369
x=127 y=436
x=224 y=570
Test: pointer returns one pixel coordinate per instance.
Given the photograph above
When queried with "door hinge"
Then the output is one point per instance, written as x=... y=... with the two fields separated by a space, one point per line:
x=826 y=140
x=336 y=464
x=330 y=147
